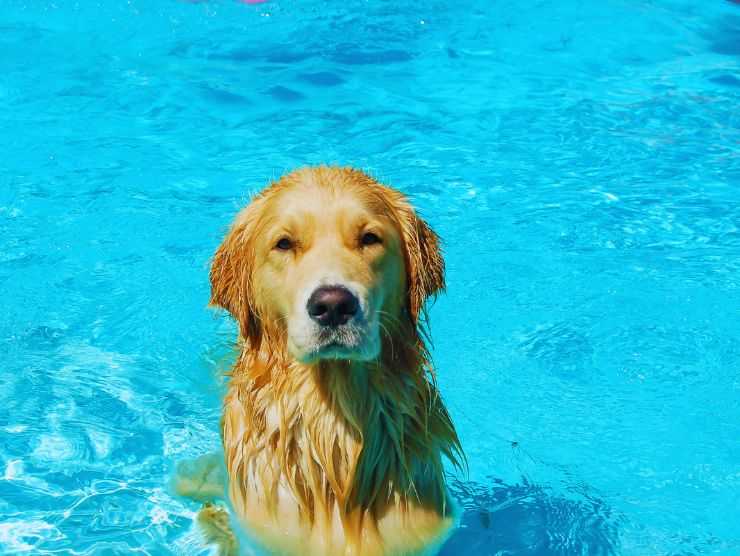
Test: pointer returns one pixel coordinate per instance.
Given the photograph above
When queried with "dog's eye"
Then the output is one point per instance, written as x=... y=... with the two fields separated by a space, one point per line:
x=369 y=238
x=284 y=244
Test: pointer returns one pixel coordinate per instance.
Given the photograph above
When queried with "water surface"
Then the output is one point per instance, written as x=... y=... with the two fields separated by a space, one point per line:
x=580 y=159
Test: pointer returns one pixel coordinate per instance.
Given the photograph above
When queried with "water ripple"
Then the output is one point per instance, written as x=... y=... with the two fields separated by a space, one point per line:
x=580 y=161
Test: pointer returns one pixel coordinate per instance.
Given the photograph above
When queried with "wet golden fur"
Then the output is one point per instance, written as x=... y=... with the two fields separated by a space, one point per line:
x=334 y=456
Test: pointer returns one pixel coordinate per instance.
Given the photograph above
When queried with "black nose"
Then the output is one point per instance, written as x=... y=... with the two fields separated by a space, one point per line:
x=332 y=305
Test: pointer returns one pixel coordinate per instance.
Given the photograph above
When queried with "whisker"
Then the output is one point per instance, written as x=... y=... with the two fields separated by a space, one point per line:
x=390 y=337
x=393 y=318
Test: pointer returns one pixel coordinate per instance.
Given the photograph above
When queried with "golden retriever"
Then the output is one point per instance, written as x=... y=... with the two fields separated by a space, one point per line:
x=333 y=427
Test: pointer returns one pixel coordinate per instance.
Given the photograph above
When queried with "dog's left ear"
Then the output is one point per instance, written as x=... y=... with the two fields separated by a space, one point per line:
x=230 y=276
x=425 y=266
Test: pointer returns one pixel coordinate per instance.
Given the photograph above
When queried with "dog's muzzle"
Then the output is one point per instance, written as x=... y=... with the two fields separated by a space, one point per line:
x=336 y=322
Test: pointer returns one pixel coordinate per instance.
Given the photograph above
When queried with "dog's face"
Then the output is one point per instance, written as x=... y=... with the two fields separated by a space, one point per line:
x=330 y=263
x=325 y=261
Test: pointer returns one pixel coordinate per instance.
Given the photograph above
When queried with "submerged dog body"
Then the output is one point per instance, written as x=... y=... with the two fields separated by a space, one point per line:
x=333 y=428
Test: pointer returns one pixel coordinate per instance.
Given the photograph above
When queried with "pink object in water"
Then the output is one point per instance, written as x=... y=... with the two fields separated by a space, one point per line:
x=253 y=1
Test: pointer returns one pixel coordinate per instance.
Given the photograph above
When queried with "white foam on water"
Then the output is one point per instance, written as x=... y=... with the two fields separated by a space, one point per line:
x=13 y=469
x=54 y=447
x=102 y=443
x=15 y=535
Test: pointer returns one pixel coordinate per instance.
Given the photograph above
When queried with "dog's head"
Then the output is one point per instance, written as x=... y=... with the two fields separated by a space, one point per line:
x=325 y=261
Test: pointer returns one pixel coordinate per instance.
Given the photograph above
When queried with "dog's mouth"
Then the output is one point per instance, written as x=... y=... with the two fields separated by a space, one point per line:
x=334 y=350
x=340 y=342
x=356 y=340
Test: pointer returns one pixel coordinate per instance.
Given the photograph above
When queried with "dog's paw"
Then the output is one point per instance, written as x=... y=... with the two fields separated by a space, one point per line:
x=202 y=479
x=216 y=529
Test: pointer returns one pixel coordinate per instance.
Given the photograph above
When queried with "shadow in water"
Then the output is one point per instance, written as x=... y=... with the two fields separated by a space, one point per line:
x=528 y=520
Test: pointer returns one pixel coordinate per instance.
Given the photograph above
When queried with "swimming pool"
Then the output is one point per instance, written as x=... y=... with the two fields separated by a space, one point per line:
x=581 y=160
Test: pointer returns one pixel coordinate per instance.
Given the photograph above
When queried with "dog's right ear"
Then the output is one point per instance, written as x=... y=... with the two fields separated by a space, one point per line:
x=231 y=275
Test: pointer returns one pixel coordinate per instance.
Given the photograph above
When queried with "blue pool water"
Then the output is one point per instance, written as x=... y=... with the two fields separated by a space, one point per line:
x=580 y=159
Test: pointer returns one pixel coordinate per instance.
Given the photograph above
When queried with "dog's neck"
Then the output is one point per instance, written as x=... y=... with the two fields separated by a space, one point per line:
x=360 y=434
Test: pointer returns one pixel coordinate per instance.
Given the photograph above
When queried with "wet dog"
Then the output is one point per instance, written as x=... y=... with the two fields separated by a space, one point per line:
x=333 y=428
